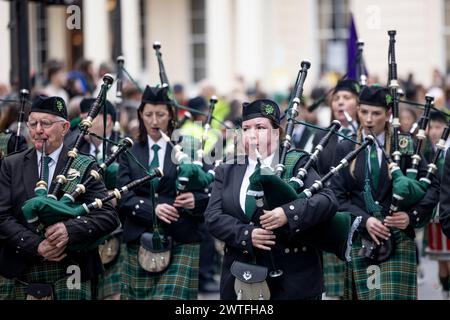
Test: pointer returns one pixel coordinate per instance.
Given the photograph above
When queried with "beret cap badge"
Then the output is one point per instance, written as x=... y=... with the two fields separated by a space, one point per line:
x=267 y=110
x=59 y=105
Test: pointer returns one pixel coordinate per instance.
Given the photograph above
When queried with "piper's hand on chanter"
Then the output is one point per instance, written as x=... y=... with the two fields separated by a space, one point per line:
x=185 y=200
x=51 y=252
x=377 y=230
x=167 y=213
x=398 y=220
x=262 y=238
x=273 y=219
x=57 y=234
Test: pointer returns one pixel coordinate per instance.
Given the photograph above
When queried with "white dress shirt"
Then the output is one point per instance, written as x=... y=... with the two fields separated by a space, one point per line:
x=161 y=152
x=246 y=180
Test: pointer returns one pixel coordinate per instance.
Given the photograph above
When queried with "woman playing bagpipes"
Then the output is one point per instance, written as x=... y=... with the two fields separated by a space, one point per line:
x=365 y=189
x=344 y=99
x=162 y=238
x=255 y=243
x=38 y=264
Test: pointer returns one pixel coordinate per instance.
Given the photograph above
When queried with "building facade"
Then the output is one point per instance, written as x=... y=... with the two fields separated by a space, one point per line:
x=262 y=40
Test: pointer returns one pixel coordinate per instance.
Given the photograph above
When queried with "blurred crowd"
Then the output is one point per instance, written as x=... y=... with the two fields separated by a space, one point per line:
x=84 y=80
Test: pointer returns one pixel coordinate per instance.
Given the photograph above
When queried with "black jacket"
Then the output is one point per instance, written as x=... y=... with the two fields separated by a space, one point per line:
x=444 y=210
x=136 y=207
x=349 y=189
x=301 y=264
x=18 y=241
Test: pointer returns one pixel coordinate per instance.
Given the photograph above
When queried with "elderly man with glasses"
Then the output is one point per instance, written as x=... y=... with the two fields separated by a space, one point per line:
x=39 y=264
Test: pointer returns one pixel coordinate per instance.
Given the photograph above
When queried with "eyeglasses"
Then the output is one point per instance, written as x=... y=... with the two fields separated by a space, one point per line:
x=46 y=124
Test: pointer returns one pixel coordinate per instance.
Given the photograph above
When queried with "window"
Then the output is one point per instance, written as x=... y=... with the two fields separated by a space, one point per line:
x=142 y=33
x=198 y=39
x=334 y=18
x=447 y=34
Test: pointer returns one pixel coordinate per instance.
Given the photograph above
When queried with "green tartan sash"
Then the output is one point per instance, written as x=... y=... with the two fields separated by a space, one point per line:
x=4 y=139
x=292 y=158
x=77 y=171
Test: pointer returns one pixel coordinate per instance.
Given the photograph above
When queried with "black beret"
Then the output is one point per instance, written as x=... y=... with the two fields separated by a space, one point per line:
x=348 y=85
x=86 y=103
x=51 y=105
x=156 y=95
x=438 y=116
x=377 y=96
x=261 y=108
x=197 y=103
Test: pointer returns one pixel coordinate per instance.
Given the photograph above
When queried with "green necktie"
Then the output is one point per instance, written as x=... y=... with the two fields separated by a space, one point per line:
x=374 y=165
x=155 y=164
x=46 y=172
x=250 y=202
x=440 y=163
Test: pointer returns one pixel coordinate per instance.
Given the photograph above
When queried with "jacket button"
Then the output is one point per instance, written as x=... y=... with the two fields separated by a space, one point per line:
x=297 y=230
x=251 y=223
x=377 y=203
x=206 y=190
x=291 y=207
x=243 y=243
x=141 y=201
x=286 y=250
x=133 y=213
x=417 y=219
x=245 y=252
x=246 y=232
x=296 y=217
x=415 y=212
x=295 y=250
x=304 y=249
x=21 y=239
x=136 y=206
x=156 y=195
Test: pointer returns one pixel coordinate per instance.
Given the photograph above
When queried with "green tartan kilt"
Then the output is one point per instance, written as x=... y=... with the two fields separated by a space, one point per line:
x=398 y=275
x=109 y=281
x=49 y=273
x=178 y=282
x=333 y=274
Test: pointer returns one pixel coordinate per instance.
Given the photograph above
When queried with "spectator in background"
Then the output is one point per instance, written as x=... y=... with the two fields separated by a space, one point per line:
x=407 y=118
x=57 y=80
x=87 y=75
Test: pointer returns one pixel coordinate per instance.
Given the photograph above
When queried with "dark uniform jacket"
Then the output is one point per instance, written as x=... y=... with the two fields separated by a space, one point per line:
x=136 y=206
x=444 y=210
x=18 y=241
x=301 y=264
x=349 y=189
x=327 y=158
x=85 y=146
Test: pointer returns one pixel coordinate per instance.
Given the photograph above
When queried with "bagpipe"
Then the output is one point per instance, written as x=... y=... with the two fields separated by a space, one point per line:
x=46 y=209
x=406 y=189
x=10 y=141
x=334 y=235
x=189 y=153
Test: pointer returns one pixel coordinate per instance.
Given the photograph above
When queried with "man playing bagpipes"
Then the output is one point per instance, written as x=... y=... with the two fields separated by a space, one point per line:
x=256 y=243
x=161 y=228
x=90 y=144
x=365 y=189
x=37 y=263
